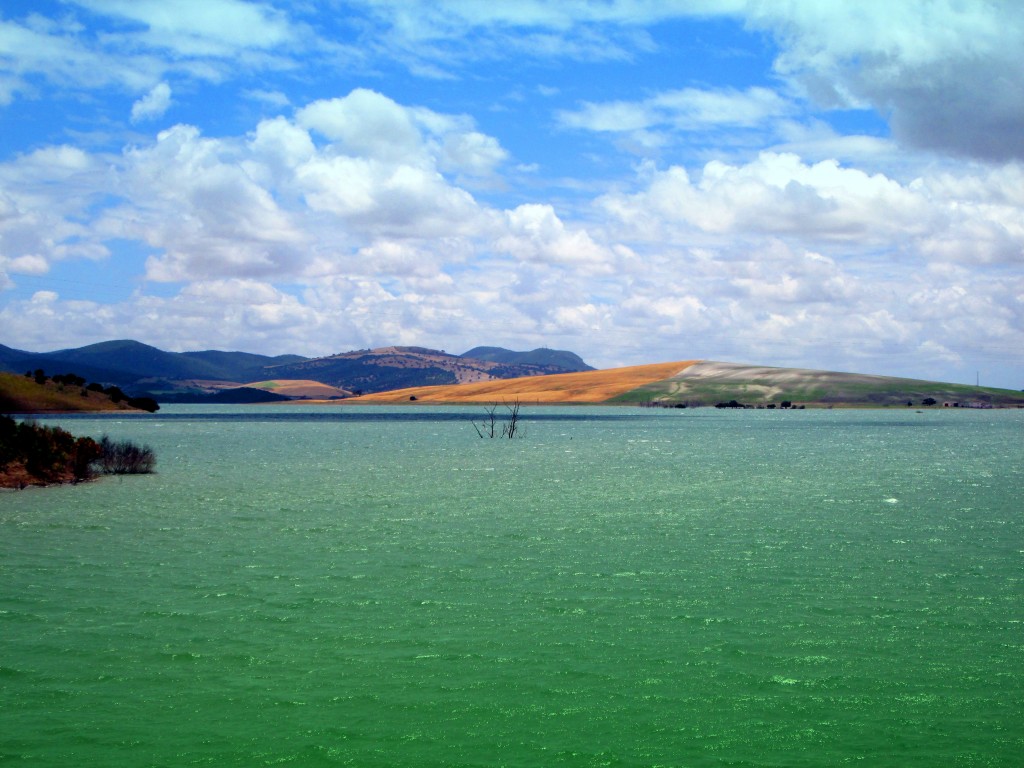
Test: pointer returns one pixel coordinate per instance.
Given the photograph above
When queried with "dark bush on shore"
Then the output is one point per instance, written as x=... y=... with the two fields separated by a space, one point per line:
x=125 y=458
x=31 y=454
x=144 y=404
x=35 y=455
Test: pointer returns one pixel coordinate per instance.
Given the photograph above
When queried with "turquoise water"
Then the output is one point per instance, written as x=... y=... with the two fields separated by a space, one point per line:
x=370 y=587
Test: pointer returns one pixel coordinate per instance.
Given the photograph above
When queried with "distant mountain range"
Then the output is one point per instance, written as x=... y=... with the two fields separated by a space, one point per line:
x=175 y=376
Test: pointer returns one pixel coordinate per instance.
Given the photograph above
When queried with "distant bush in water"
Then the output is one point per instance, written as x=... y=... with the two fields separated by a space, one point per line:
x=125 y=458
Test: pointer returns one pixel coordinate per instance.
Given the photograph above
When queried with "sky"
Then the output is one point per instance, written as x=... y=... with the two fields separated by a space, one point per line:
x=833 y=185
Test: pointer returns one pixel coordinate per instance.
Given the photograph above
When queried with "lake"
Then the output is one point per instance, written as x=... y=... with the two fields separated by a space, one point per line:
x=365 y=586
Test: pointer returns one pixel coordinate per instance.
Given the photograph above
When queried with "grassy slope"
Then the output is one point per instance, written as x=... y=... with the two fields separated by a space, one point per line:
x=300 y=388
x=20 y=394
x=708 y=382
x=583 y=387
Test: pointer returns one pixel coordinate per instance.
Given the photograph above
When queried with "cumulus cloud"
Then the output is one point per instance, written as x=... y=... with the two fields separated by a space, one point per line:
x=383 y=166
x=402 y=200
x=818 y=259
x=44 y=196
x=366 y=124
x=288 y=199
x=370 y=125
x=953 y=84
x=780 y=195
x=153 y=105
x=535 y=233
x=191 y=198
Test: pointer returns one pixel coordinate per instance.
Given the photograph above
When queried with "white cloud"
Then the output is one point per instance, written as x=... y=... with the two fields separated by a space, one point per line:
x=153 y=105
x=218 y=28
x=382 y=167
x=470 y=153
x=37 y=45
x=686 y=109
x=776 y=195
x=692 y=107
x=949 y=75
x=429 y=37
x=44 y=196
x=403 y=200
x=370 y=125
x=272 y=203
x=365 y=124
x=276 y=99
x=611 y=117
x=191 y=198
x=140 y=41
x=535 y=233
x=277 y=147
x=29 y=264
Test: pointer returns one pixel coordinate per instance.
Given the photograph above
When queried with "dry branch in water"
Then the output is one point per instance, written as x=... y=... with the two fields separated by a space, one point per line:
x=488 y=426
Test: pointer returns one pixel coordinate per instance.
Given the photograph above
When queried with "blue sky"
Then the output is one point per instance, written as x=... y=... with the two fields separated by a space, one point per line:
x=826 y=185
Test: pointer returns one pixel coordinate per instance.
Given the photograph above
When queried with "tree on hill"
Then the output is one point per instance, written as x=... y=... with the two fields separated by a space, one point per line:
x=69 y=379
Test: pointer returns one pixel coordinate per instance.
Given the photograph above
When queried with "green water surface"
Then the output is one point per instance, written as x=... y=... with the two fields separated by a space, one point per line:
x=623 y=587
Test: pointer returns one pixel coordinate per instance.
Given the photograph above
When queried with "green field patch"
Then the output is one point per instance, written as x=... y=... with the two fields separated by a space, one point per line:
x=709 y=383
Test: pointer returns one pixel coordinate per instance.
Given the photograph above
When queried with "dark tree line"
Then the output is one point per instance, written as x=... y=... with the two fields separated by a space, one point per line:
x=115 y=393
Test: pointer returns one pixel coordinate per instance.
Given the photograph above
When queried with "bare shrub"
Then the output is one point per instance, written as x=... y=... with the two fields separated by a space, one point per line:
x=125 y=458
x=488 y=426
x=512 y=427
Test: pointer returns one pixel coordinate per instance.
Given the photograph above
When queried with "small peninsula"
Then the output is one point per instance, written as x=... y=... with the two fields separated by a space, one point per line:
x=37 y=455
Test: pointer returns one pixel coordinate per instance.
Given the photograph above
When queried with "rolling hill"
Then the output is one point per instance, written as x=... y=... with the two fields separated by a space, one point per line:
x=305 y=389
x=20 y=394
x=708 y=383
x=581 y=387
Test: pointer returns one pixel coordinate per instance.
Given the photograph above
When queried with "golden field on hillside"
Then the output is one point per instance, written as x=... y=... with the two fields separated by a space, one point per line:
x=581 y=388
x=20 y=394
